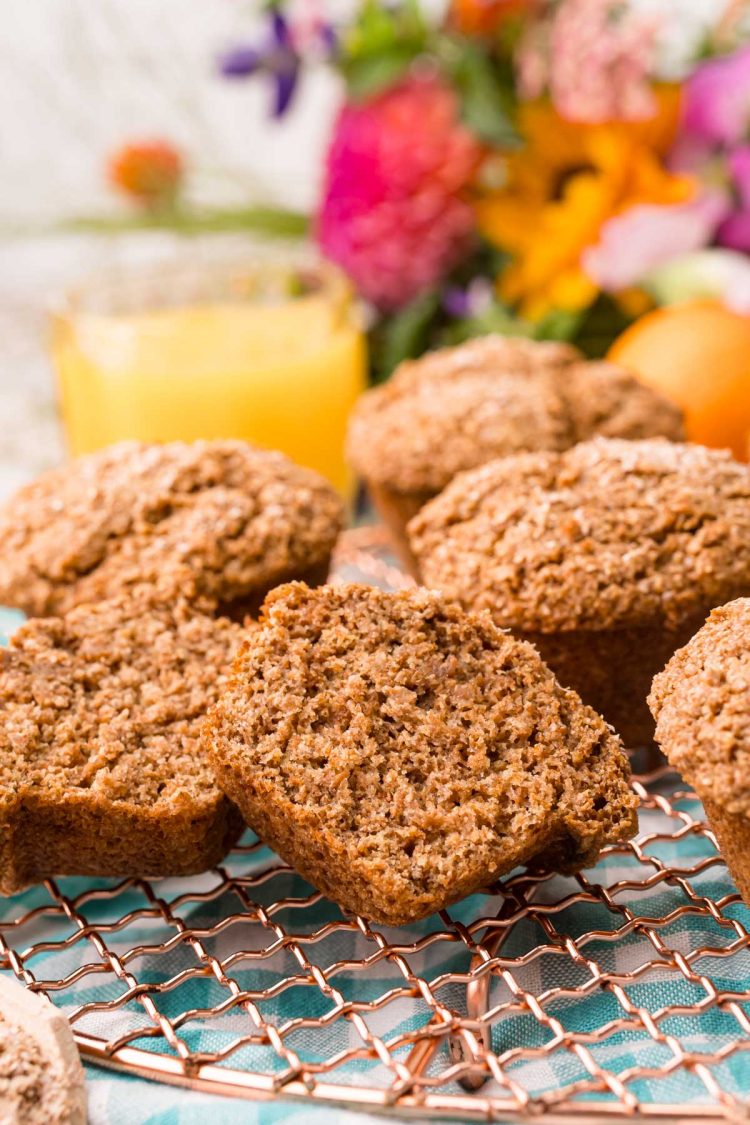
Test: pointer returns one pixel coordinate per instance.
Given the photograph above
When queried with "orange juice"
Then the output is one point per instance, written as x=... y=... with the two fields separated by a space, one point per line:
x=259 y=355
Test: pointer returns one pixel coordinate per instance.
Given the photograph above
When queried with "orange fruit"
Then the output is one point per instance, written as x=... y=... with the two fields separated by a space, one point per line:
x=697 y=353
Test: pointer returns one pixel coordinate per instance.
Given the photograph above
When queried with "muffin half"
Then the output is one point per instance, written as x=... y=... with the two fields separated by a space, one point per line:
x=607 y=557
x=101 y=768
x=461 y=407
x=401 y=753
x=701 y=703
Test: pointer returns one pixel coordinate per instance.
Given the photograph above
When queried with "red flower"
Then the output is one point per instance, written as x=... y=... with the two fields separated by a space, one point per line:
x=149 y=172
x=393 y=213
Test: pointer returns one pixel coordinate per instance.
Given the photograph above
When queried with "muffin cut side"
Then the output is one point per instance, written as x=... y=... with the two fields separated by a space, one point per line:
x=101 y=769
x=401 y=753
x=218 y=520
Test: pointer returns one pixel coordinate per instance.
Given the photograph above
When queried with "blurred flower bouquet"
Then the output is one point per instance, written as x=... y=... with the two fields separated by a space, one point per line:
x=536 y=167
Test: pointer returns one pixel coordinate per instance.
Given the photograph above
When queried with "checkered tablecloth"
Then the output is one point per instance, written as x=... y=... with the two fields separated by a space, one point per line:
x=686 y=959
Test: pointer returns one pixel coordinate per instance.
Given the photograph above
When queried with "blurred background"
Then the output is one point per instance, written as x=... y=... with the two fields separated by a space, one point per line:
x=174 y=174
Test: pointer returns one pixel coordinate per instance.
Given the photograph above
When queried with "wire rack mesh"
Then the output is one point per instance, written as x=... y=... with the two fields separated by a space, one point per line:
x=622 y=991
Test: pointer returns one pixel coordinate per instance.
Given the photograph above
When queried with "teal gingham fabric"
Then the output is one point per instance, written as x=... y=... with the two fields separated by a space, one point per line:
x=692 y=958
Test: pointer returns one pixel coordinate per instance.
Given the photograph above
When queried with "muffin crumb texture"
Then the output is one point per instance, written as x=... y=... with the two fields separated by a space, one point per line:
x=22 y=1068
x=457 y=408
x=701 y=703
x=401 y=753
x=101 y=769
x=607 y=535
x=41 y=1077
x=215 y=520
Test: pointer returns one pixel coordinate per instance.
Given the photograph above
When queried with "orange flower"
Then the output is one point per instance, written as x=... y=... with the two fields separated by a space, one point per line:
x=561 y=187
x=482 y=17
x=149 y=172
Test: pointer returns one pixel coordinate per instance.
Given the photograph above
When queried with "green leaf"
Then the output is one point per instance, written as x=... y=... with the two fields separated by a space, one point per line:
x=381 y=44
x=496 y=319
x=486 y=90
x=370 y=74
x=271 y=221
x=560 y=324
x=599 y=325
x=405 y=334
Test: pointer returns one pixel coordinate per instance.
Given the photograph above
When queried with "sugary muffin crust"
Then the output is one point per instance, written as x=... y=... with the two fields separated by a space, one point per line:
x=701 y=703
x=460 y=407
x=220 y=520
x=401 y=753
x=608 y=534
x=101 y=769
x=604 y=400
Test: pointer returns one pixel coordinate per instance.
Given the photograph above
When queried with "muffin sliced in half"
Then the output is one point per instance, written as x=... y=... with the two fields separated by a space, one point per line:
x=607 y=557
x=458 y=408
x=701 y=703
x=401 y=753
x=101 y=768
x=219 y=520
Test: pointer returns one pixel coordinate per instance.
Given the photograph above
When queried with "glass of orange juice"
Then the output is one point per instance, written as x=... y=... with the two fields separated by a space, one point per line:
x=270 y=351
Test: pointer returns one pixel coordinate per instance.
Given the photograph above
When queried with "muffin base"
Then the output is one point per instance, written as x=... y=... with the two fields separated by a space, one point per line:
x=395 y=510
x=83 y=834
x=612 y=669
x=732 y=831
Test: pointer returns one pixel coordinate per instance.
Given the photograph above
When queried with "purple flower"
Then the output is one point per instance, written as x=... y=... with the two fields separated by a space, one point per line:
x=734 y=232
x=713 y=142
x=717 y=106
x=277 y=57
x=464 y=304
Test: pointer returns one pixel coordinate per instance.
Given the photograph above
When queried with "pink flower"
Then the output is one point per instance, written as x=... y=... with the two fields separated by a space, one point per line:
x=712 y=141
x=393 y=213
x=734 y=232
x=594 y=57
x=717 y=101
x=646 y=236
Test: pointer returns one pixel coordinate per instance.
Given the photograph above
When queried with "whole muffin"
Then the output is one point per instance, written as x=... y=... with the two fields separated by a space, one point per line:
x=215 y=520
x=701 y=703
x=102 y=768
x=401 y=753
x=607 y=557
x=461 y=407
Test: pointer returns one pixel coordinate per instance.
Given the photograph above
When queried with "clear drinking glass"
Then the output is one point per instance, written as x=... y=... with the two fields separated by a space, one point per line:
x=271 y=351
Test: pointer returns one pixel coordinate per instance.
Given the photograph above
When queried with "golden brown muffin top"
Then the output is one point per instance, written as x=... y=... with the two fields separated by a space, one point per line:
x=701 y=703
x=419 y=735
x=108 y=701
x=458 y=408
x=608 y=534
x=209 y=519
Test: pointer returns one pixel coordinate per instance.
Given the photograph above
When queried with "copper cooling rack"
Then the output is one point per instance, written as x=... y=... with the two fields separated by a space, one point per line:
x=623 y=991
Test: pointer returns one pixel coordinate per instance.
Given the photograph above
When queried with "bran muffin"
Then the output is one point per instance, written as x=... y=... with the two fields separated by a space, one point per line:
x=607 y=557
x=701 y=703
x=461 y=407
x=220 y=520
x=101 y=769
x=401 y=753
